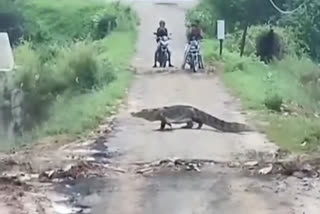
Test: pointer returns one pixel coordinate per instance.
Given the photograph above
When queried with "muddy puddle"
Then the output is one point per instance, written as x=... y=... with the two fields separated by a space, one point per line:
x=213 y=190
x=79 y=193
x=185 y=186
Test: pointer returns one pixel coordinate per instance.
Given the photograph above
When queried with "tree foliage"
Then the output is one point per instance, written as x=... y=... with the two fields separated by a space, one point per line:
x=306 y=23
x=239 y=13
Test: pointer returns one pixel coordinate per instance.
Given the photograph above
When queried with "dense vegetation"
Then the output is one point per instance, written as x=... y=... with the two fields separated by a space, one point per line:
x=286 y=90
x=303 y=22
x=72 y=58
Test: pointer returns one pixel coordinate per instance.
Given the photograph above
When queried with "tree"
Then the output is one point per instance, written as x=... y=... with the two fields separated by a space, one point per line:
x=243 y=13
x=238 y=13
x=306 y=23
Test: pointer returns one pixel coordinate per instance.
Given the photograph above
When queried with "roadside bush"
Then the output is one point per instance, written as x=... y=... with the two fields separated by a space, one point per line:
x=304 y=22
x=294 y=79
x=32 y=77
x=71 y=61
x=287 y=41
x=59 y=55
x=237 y=64
x=203 y=13
x=103 y=25
x=114 y=17
x=269 y=46
x=274 y=102
x=80 y=67
x=61 y=21
x=75 y=69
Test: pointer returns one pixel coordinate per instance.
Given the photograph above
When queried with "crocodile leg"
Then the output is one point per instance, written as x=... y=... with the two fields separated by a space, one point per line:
x=199 y=123
x=162 y=126
x=164 y=122
x=188 y=126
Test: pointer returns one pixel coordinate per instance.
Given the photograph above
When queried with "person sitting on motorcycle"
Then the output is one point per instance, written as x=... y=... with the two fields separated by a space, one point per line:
x=161 y=31
x=196 y=33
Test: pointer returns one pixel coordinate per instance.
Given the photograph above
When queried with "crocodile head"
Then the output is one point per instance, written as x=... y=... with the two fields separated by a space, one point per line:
x=147 y=114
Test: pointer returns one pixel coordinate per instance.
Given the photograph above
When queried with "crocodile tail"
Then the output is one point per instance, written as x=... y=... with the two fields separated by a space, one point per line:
x=222 y=125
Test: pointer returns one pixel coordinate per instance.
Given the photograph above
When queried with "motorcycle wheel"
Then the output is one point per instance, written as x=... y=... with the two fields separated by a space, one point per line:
x=194 y=64
x=163 y=60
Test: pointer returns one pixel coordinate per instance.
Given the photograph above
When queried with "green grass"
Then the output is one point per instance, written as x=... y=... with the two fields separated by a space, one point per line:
x=290 y=132
x=76 y=115
x=73 y=67
x=60 y=20
x=118 y=47
x=255 y=82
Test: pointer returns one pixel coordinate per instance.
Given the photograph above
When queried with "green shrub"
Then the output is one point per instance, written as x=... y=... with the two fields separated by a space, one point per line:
x=203 y=13
x=115 y=16
x=80 y=67
x=274 y=102
x=59 y=21
x=63 y=21
x=306 y=25
x=72 y=61
x=237 y=64
x=288 y=41
x=32 y=77
x=293 y=80
x=76 y=68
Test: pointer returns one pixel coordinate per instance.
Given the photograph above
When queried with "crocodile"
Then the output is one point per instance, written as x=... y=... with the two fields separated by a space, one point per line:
x=179 y=114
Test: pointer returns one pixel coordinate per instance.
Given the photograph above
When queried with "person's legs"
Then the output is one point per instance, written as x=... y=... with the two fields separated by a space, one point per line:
x=155 y=56
x=201 y=60
x=169 y=55
x=186 y=50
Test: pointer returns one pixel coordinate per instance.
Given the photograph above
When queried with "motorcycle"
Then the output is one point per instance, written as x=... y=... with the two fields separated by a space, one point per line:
x=194 y=58
x=163 y=55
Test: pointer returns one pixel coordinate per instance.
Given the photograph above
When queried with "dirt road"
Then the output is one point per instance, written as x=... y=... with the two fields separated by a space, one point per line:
x=217 y=190
x=213 y=188
x=137 y=138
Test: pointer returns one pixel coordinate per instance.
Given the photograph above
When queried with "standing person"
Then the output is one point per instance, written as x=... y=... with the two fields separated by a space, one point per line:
x=161 y=31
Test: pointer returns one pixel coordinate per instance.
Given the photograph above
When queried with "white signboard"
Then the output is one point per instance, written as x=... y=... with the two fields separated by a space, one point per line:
x=220 y=29
x=6 y=56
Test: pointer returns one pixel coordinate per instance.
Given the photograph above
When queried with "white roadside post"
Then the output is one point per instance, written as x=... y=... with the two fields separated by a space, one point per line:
x=7 y=69
x=220 y=33
x=6 y=56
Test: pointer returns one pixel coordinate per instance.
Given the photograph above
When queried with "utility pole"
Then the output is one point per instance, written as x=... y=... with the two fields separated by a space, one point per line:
x=243 y=40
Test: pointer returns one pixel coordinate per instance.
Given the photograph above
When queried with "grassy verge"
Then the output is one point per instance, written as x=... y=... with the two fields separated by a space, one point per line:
x=85 y=111
x=73 y=63
x=257 y=84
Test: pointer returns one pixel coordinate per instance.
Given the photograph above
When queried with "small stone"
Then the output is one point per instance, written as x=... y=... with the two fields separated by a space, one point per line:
x=196 y=168
x=233 y=164
x=266 y=170
x=304 y=143
x=298 y=174
x=251 y=163
x=50 y=173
